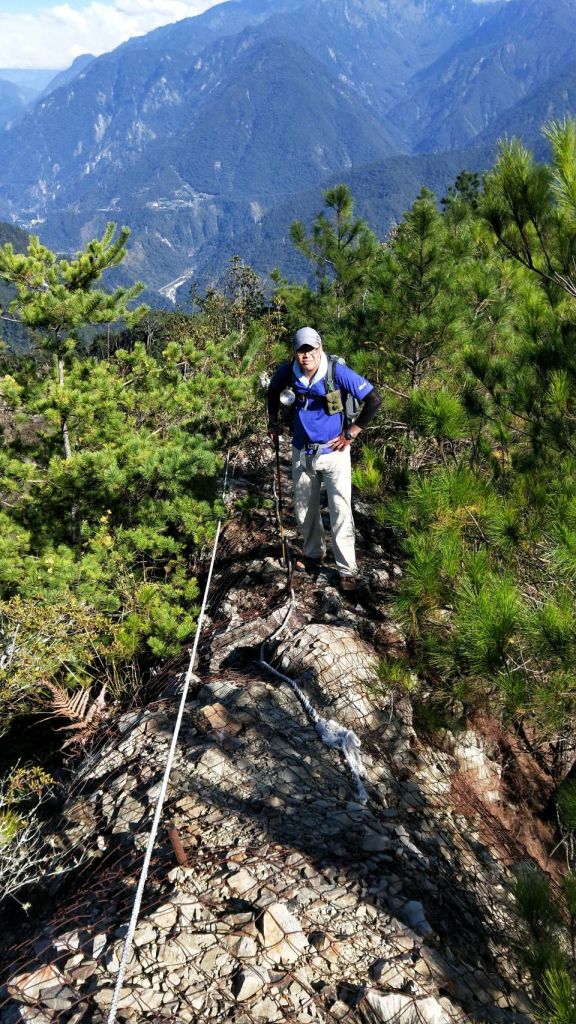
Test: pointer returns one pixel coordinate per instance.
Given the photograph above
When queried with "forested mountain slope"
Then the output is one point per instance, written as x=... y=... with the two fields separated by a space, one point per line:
x=499 y=64
x=62 y=78
x=382 y=192
x=12 y=103
x=554 y=100
x=193 y=133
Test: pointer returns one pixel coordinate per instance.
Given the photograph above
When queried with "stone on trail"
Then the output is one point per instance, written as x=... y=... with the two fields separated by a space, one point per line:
x=216 y=718
x=45 y=983
x=281 y=934
x=248 y=981
x=396 y=1008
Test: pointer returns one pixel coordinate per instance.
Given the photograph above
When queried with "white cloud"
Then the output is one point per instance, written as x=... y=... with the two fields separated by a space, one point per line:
x=54 y=36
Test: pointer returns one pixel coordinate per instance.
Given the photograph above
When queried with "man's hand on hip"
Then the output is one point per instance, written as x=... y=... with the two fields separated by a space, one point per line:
x=344 y=440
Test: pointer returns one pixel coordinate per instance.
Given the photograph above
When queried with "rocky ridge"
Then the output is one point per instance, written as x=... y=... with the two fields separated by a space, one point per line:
x=274 y=893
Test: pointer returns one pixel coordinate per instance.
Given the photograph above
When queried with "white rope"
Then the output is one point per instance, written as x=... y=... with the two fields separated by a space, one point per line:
x=164 y=787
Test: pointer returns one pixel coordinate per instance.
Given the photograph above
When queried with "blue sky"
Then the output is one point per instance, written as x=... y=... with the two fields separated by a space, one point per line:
x=50 y=34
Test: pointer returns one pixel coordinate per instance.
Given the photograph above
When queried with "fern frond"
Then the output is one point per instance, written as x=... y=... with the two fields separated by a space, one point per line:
x=82 y=712
x=68 y=705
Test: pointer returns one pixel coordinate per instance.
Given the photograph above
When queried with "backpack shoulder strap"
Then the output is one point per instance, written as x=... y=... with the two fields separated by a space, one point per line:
x=329 y=379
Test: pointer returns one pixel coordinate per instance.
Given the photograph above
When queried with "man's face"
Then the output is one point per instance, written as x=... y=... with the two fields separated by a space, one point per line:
x=309 y=359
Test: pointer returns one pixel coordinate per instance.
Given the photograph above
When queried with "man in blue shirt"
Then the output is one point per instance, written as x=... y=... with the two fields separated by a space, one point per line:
x=321 y=448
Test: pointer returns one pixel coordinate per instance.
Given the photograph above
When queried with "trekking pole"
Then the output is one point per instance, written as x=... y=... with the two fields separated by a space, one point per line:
x=280 y=504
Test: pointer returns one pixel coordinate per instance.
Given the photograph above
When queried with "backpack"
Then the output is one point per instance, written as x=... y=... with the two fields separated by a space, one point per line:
x=351 y=407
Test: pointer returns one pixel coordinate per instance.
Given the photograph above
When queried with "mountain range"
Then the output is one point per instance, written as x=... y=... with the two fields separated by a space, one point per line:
x=19 y=88
x=208 y=136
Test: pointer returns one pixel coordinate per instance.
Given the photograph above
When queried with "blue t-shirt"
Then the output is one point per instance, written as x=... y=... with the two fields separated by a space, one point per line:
x=311 y=423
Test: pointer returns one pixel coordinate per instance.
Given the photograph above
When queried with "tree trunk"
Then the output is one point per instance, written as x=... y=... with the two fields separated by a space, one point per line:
x=63 y=417
x=74 y=511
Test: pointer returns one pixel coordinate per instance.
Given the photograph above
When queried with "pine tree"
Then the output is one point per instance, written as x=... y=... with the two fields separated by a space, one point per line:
x=342 y=250
x=233 y=304
x=466 y=189
x=56 y=299
x=146 y=412
x=417 y=304
x=531 y=208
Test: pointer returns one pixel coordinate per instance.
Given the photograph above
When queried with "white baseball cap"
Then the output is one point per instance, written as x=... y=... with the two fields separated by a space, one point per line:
x=307 y=336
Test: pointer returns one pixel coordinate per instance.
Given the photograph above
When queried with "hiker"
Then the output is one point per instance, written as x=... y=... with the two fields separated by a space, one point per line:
x=321 y=446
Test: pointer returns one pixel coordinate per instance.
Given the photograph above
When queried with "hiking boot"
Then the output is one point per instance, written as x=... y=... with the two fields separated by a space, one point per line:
x=304 y=564
x=347 y=584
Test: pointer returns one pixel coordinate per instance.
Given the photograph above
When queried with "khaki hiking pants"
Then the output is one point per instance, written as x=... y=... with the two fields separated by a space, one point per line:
x=309 y=472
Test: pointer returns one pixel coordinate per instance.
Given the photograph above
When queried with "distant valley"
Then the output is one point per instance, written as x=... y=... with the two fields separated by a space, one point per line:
x=209 y=136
